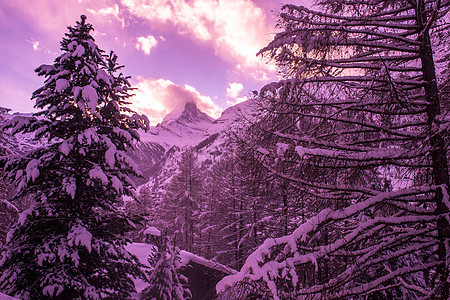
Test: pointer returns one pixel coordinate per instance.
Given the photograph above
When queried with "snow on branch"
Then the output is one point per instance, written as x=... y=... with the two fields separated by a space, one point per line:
x=80 y=236
x=9 y=205
x=17 y=124
x=284 y=255
x=379 y=17
x=363 y=156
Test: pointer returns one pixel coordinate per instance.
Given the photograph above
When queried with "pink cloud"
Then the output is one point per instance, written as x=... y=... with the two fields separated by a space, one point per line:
x=35 y=44
x=234 y=89
x=236 y=29
x=158 y=97
x=146 y=44
x=53 y=16
x=112 y=11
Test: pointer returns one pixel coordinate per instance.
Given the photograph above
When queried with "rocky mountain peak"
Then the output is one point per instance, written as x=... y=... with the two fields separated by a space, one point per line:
x=187 y=115
x=184 y=126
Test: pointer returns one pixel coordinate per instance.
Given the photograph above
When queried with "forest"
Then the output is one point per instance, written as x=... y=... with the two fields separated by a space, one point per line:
x=330 y=183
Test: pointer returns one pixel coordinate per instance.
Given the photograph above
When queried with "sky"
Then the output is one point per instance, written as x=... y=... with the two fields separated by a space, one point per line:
x=175 y=51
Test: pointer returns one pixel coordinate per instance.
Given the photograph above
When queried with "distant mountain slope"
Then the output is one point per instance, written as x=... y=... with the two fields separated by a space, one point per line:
x=158 y=151
x=182 y=127
x=18 y=143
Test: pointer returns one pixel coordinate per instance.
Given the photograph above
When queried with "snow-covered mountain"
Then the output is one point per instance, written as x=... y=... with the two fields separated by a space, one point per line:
x=184 y=126
x=20 y=142
x=158 y=152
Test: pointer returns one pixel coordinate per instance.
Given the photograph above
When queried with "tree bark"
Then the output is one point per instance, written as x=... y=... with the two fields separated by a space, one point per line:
x=438 y=152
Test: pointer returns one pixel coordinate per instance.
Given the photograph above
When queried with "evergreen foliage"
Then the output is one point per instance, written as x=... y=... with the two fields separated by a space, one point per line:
x=70 y=244
x=165 y=281
x=183 y=203
x=246 y=203
x=238 y=200
x=143 y=212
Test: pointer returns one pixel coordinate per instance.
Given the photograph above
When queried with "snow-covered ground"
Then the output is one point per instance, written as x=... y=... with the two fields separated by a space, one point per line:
x=143 y=252
x=6 y=297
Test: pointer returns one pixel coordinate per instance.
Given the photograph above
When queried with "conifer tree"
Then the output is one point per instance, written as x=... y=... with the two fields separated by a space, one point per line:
x=183 y=202
x=70 y=244
x=365 y=130
x=238 y=220
x=8 y=211
x=248 y=203
x=145 y=211
x=165 y=281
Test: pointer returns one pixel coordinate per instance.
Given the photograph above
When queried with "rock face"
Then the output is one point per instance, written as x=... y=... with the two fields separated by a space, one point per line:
x=190 y=117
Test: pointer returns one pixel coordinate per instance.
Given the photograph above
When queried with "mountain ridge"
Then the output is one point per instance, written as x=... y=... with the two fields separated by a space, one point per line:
x=158 y=152
x=161 y=146
x=179 y=128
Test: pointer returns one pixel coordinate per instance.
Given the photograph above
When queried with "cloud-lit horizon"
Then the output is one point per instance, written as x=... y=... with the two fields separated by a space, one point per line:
x=203 y=51
x=167 y=96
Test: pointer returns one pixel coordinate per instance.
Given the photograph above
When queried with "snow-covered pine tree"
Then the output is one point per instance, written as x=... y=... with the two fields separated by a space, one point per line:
x=70 y=244
x=145 y=211
x=165 y=281
x=230 y=212
x=364 y=131
x=237 y=197
x=183 y=202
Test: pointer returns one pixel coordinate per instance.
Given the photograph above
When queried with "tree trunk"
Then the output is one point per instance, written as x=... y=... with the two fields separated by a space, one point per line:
x=437 y=143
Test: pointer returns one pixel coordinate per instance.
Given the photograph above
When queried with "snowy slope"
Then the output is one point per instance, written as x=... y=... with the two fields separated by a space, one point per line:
x=182 y=127
x=158 y=152
x=6 y=297
x=20 y=142
x=231 y=117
